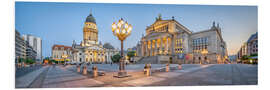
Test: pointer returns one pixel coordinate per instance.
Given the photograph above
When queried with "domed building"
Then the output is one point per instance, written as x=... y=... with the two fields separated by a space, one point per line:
x=89 y=50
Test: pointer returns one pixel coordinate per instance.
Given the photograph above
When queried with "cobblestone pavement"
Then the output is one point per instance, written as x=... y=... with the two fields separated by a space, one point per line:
x=227 y=74
x=190 y=75
x=60 y=77
x=24 y=70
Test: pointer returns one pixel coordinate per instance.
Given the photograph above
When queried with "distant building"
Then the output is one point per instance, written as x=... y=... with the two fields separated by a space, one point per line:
x=169 y=40
x=58 y=51
x=36 y=44
x=248 y=48
x=30 y=52
x=233 y=58
x=243 y=51
x=252 y=44
x=20 y=46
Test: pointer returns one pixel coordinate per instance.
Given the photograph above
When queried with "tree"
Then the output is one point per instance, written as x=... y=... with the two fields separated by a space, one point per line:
x=131 y=54
x=21 y=60
x=116 y=58
x=252 y=55
x=108 y=46
x=245 y=57
x=29 y=61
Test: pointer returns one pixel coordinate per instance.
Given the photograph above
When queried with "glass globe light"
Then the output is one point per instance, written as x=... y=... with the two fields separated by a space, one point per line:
x=128 y=30
x=119 y=25
x=126 y=25
x=114 y=26
x=117 y=31
x=122 y=22
x=129 y=27
x=123 y=31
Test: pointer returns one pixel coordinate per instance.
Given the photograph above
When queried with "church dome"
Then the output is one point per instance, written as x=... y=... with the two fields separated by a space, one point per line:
x=90 y=18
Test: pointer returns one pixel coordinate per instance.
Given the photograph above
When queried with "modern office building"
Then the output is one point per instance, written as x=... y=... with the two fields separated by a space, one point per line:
x=36 y=44
x=20 y=46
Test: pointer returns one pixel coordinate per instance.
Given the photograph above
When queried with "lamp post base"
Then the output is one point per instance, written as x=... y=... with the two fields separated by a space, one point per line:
x=122 y=74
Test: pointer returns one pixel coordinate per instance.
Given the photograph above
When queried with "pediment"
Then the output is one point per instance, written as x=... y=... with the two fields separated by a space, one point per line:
x=159 y=22
x=157 y=34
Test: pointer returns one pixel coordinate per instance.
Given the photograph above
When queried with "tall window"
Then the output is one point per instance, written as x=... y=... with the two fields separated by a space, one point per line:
x=200 y=43
x=179 y=45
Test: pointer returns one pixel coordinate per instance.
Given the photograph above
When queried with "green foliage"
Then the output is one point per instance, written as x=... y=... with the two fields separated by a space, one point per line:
x=108 y=46
x=116 y=58
x=21 y=60
x=245 y=57
x=131 y=54
x=52 y=61
x=46 y=58
x=252 y=55
x=29 y=61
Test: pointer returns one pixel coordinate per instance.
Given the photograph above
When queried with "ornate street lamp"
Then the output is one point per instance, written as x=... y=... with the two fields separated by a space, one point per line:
x=204 y=52
x=64 y=56
x=122 y=30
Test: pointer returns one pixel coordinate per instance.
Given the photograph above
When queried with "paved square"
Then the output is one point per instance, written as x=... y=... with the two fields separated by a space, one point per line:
x=191 y=75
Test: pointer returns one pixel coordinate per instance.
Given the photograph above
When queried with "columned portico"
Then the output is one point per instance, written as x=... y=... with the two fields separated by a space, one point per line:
x=157 y=45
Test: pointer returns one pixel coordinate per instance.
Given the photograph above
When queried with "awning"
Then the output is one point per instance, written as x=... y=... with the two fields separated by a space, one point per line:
x=254 y=57
x=62 y=59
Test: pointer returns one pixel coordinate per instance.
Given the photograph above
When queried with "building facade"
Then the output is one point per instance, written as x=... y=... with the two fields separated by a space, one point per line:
x=20 y=46
x=250 y=47
x=59 y=51
x=252 y=44
x=36 y=44
x=169 y=41
x=89 y=50
x=30 y=52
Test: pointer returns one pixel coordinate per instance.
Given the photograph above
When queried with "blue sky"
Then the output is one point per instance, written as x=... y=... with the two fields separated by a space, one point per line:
x=61 y=23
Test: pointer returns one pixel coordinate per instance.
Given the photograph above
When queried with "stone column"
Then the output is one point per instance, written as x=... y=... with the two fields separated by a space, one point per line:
x=156 y=47
x=167 y=46
x=148 y=49
x=160 y=47
x=170 y=45
x=145 y=48
x=163 y=45
x=151 y=48
x=142 y=49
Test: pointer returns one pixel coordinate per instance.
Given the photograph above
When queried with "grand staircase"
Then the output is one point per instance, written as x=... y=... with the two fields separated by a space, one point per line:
x=153 y=60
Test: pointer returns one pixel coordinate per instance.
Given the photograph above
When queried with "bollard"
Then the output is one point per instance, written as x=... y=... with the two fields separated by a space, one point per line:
x=84 y=70
x=148 y=70
x=144 y=69
x=167 y=68
x=78 y=68
x=95 y=71
x=179 y=66
x=19 y=65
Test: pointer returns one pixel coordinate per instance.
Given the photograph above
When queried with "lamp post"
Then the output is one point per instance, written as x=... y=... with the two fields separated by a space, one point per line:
x=121 y=30
x=204 y=52
x=64 y=56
